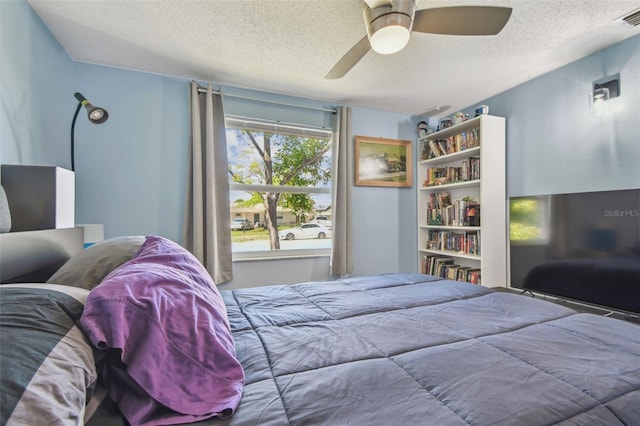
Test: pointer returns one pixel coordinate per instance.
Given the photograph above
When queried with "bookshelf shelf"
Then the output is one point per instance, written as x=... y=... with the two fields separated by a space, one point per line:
x=450 y=157
x=465 y=184
x=452 y=228
x=452 y=253
x=472 y=212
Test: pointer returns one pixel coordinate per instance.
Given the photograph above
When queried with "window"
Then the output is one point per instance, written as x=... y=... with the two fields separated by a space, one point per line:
x=280 y=179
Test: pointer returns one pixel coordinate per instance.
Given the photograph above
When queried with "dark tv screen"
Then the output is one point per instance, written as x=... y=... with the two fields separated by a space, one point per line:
x=582 y=246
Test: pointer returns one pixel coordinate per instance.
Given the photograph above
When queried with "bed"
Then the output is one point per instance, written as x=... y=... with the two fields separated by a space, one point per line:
x=403 y=349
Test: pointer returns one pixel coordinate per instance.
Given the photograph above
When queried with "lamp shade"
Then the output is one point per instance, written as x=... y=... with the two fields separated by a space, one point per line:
x=95 y=114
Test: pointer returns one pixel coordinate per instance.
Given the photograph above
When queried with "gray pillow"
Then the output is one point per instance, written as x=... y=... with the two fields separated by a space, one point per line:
x=87 y=268
x=5 y=214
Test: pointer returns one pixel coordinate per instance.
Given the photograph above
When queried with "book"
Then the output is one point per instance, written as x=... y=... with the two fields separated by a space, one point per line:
x=433 y=264
x=435 y=151
x=472 y=214
x=426 y=151
x=452 y=271
x=473 y=276
x=433 y=148
x=440 y=264
x=462 y=273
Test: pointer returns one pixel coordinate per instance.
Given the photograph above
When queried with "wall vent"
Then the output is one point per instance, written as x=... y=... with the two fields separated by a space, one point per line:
x=632 y=19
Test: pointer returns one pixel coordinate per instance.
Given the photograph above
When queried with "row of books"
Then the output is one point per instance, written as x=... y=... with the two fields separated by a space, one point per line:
x=444 y=267
x=433 y=148
x=459 y=242
x=438 y=200
x=468 y=170
x=442 y=211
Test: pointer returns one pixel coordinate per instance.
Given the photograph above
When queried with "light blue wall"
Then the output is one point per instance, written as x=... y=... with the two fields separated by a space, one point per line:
x=36 y=97
x=131 y=170
x=556 y=145
x=384 y=230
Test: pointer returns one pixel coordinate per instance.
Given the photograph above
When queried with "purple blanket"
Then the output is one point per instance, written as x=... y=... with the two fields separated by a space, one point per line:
x=164 y=326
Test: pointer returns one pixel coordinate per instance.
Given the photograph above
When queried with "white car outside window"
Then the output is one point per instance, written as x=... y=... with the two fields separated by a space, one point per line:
x=307 y=230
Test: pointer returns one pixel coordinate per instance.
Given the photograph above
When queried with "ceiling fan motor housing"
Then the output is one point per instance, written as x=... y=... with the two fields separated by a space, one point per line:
x=389 y=26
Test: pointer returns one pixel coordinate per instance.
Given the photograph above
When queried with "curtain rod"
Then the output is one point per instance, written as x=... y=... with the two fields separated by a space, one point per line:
x=331 y=110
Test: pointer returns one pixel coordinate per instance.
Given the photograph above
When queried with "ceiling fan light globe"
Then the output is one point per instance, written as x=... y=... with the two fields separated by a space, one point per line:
x=389 y=26
x=389 y=39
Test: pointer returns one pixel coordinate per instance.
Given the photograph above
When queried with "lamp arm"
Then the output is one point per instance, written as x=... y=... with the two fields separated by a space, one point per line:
x=73 y=127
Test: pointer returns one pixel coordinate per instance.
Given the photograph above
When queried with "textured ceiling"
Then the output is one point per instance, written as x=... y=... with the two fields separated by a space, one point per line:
x=288 y=46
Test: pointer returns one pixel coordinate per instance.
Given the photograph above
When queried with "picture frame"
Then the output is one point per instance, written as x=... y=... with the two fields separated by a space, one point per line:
x=383 y=162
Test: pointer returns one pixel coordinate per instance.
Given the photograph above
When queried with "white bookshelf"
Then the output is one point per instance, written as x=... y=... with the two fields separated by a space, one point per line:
x=489 y=190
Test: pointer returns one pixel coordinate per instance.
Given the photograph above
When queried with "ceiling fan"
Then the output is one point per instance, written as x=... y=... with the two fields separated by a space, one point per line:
x=390 y=22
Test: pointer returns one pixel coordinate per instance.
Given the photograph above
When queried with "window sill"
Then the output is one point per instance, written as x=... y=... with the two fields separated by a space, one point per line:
x=279 y=255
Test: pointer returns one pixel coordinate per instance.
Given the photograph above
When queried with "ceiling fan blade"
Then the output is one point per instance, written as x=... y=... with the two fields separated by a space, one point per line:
x=350 y=59
x=462 y=20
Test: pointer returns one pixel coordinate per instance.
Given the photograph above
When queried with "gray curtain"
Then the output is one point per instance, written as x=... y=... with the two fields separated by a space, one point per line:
x=342 y=172
x=206 y=221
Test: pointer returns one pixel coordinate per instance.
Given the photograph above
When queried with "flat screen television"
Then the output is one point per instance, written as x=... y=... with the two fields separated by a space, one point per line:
x=583 y=247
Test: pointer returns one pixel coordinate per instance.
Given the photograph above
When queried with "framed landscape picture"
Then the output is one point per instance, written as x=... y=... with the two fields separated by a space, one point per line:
x=383 y=162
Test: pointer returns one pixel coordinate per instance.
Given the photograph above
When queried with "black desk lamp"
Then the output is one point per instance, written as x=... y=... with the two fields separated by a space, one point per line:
x=95 y=114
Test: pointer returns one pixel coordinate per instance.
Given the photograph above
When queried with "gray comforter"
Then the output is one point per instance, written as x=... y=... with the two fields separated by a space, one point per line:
x=418 y=350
